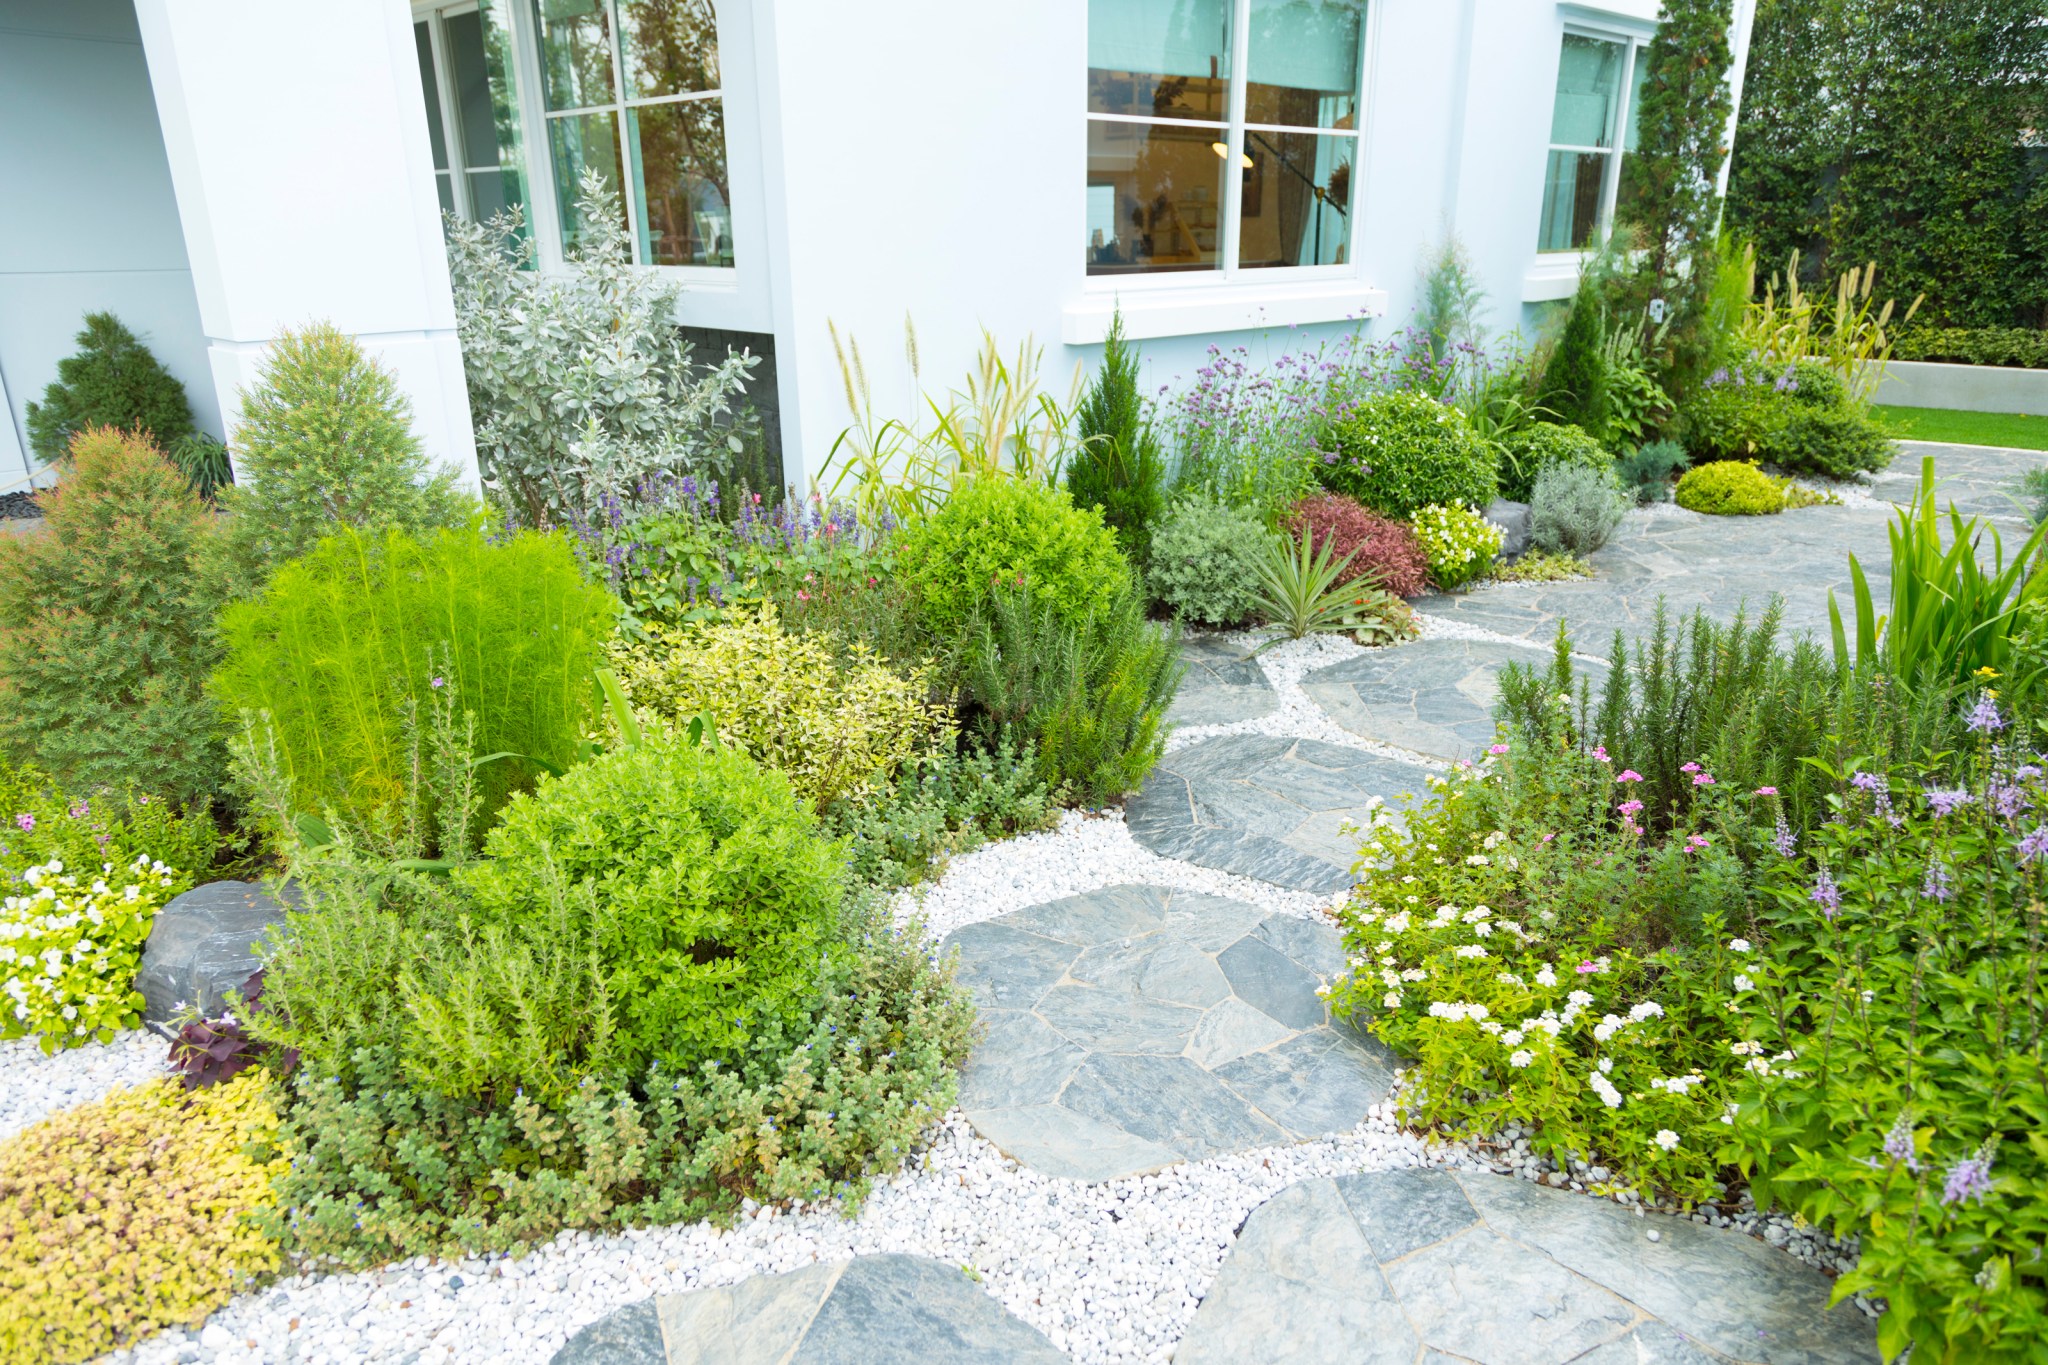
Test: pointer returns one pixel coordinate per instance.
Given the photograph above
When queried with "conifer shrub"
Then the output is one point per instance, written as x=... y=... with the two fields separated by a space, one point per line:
x=342 y=643
x=325 y=441
x=1646 y=472
x=1401 y=451
x=1204 y=561
x=106 y=627
x=1118 y=466
x=1010 y=533
x=113 y=381
x=1379 y=547
x=1575 y=380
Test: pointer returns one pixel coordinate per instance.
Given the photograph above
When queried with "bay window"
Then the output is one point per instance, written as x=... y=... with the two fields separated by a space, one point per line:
x=1222 y=134
x=1592 y=127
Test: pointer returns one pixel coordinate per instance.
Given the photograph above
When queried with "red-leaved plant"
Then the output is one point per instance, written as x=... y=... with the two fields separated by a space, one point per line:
x=1379 y=546
x=209 y=1051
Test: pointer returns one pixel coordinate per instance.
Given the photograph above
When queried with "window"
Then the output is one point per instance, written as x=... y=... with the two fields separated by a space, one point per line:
x=630 y=88
x=1599 y=81
x=1221 y=134
x=472 y=118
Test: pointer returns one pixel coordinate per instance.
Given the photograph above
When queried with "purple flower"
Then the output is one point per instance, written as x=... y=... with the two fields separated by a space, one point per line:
x=439 y=681
x=1703 y=779
x=1784 y=840
x=1867 y=782
x=1936 y=886
x=1629 y=775
x=1826 y=895
x=26 y=821
x=1496 y=748
x=2035 y=845
x=1984 y=718
x=1766 y=791
x=80 y=809
x=1690 y=768
x=1948 y=802
x=1898 y=1143
x=1969 y=1178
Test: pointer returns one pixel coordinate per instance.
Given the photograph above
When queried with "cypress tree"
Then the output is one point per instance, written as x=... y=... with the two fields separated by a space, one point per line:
x=1118 y=467
x=113 y=381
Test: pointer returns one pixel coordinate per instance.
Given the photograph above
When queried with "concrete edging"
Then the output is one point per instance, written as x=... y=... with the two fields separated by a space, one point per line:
x=1966 y=388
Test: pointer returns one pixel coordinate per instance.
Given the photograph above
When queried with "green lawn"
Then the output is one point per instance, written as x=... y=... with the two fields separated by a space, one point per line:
x=1967 y=428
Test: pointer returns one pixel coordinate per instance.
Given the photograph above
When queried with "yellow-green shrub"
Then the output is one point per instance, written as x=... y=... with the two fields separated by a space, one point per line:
x=783 y=698
x=126 y=1216
x=1731 y=488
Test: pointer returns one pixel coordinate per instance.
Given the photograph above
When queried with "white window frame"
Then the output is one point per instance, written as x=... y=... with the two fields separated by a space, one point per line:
x=1632 y=45
x=435 y=17
x=1229 y=274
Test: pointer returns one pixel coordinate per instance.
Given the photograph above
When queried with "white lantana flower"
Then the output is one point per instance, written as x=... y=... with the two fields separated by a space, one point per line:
x=1666 y=1139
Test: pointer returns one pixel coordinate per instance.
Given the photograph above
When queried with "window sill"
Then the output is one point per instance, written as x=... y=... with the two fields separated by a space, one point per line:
x=1553 y=275
x=1641 y=12
x=1188 y=311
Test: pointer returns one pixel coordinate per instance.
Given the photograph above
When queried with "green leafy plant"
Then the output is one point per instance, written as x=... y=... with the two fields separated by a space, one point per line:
x=1118 y=466
x=106 y=627
x=1007 y=532
x=1731 y=488
x=1204 y=561
x=1301 y=586
x=2021 y=347
x=1543 y=445
x=341 y=641
x=1460 y=542
x=1646 y=473
x=41 y=821
x=1542 y=566
x=131 y=1214
x=204 y=463
x=113 y=381
x=1086 y=700
x=69 y=951
x=325 y=442
x=581 y=381
x=1950 y=616
x=936 y=805
x=834 y=726
x=1400 y=451
x=1373 y=547
x=1575 y=379
x=1574 y=509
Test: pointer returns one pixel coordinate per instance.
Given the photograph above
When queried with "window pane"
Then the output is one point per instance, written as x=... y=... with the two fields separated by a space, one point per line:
x=575 y=52
x=466 y=71
x=577 y=141
x=1301 y=68
x=1635 y=98
x=491 y=192
x=1297 y=200
x=1155 y=198
x=1571 y=200
x=671 y=47
x=445 y=191
x=1588 y=84
x=1168 y=58
x=680 y=180
x=432 y=87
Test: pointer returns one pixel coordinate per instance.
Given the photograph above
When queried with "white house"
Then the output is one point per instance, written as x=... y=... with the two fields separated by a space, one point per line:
x=1232 y=172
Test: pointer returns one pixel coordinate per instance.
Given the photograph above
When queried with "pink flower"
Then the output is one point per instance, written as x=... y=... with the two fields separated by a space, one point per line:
x=26 y=821
x=1586 y=969
x=802 y=596
x=1695 y=842
x=1497 y=748
x=1766 y=791
x=1690 y=768
x=1629 y=775
x=1629 y=807
x=1600 y=752
x=1703 y=780
x=1548 y=837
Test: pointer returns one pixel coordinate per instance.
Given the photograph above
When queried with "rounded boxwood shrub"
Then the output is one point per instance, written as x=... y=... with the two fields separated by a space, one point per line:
x=1460 y=542
x=1397 y=452
x=125 y=1216
x=1730 y=488
x=1380 y=547
x=1546 y=445
x=1012 y=532
x=694 y=881
x=1204 y=561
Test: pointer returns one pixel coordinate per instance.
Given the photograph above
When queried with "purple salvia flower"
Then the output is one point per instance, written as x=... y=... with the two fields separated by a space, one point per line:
x=1984 y=718
x=1898 y=1143
x=1936 y=886
x=1826 y=895
x=1948 y=801
x=1969 y=1178
x=2033 y=847
x=1784 y=840
x=1867 y=782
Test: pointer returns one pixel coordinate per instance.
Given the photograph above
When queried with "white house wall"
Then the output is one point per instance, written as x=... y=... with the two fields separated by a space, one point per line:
x=88 y=219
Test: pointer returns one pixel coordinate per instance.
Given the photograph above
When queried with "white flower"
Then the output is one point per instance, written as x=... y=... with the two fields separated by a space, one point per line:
x=1512 y=1038
x=1392 y=1000
x=1579 y=998
x=1519 y=1058
x=1475 y=914
x=1607 y=1066
x=1482 y=929
x=1471 y=950
x=1414 y=974
x=1489 y=1027
x=1391 y=978
x=1648 y=1009
x=1604 y=1088
x=1546 y=977
x=1738 y=945
x=1397 y=923
x=1666 y=1139
x=1446 y=913
x=1743 y=983
x=1478 y=860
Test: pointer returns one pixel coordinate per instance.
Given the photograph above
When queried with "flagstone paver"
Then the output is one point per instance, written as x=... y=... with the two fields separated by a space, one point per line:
x=1267 y=806
x=1402 y=1265
x=1432 y=696
x=872 y=1310
x=1139 y=1026
x=1224 y=684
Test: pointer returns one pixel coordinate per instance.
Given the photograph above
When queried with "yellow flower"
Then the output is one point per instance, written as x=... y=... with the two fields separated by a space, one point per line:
x=1986 y=673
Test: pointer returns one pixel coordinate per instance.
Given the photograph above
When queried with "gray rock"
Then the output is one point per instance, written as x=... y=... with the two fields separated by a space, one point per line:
x=1223 y=684
x=201 y=946
x=630 y=1336
x=1513 y=520
x=1432 y=696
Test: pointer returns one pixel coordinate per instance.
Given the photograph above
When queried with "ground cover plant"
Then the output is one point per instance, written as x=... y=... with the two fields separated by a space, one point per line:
x=1731 y=488
x=71 y=942
x=1371 y=546
x=130 y=1214
x=113 y=381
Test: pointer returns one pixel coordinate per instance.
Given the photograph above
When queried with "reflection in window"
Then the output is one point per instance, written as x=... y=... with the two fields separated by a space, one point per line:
x=473 y=125
x=1174 y=86
x=1589 y=116
x=632 y=90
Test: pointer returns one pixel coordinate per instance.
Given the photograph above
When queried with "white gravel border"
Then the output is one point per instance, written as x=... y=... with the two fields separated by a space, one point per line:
x=33 y=1086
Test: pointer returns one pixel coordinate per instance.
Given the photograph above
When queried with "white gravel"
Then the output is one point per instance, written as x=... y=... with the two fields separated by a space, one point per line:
x=1109 y=1272
x=33 y=1086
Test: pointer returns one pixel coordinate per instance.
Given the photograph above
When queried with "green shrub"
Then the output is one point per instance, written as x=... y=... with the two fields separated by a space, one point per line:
x=1836 y=442
x=106 y=627
x=40 y=821
x=1397 y=452
x=69 y=952
x=1461 y=544
x=204 y=462
x=1574 y=509
x=1087 y=701
x=325 y=441
x=1799 y=417
x=343 y=641
x=113 y=381
x=1204 y=561
x=1118 y=466
x=1545 y=445
x=1731 y=488
x=934 y=806
x=835 y=727
x=1575 y=380
x=131 y=1214
x=1646 y=474
x=1900 y=1017
x=2025 y=347
x=1010 y=532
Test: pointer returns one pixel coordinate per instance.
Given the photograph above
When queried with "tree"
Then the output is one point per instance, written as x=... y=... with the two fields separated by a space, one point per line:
x=113 y=381
x=1118 y=467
